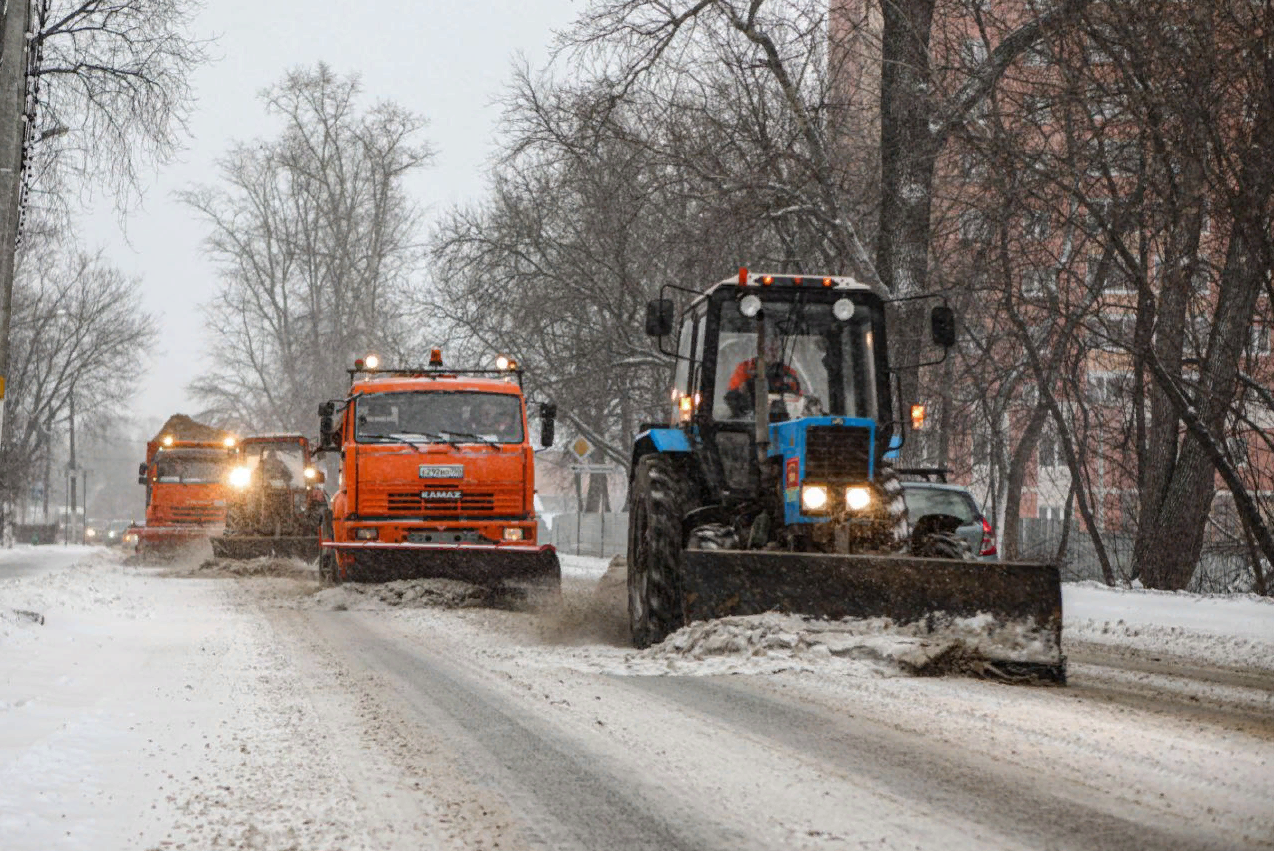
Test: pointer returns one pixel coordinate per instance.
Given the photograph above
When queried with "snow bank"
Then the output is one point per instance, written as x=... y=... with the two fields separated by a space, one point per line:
x=1232 y=630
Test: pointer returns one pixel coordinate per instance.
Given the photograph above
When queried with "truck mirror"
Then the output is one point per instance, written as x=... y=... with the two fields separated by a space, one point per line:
x=942 y=325
x=659 y=316
x=548 y=417
x=326 y=411
x=141 y=474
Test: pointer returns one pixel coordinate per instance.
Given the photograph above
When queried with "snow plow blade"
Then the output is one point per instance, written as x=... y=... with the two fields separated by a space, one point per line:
x=245 y=547
x=478 y=564
x=166 y=544
x=1023 y=599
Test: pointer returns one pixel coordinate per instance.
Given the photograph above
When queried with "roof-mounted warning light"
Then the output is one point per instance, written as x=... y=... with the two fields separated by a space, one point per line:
x=435 y=357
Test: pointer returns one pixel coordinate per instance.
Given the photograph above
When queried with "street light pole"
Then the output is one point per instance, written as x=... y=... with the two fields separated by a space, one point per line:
x=13 y=131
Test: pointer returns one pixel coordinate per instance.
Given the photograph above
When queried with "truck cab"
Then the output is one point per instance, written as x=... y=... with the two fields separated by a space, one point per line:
x=185 y=491
x=437 y=477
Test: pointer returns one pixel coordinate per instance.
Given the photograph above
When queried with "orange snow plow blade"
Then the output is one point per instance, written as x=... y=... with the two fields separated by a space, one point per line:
x=1020 y=602
x=480 y=564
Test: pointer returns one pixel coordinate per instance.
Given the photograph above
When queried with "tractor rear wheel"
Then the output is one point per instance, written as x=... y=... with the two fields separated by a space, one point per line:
x=659 y=499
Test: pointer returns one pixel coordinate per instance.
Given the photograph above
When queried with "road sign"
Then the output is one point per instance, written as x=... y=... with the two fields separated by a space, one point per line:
x=596 y=468
x=581 y=448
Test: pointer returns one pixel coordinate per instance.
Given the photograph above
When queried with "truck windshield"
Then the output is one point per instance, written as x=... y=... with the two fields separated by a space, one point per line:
x=818 y=365
x=190 y=469
x=428 y=416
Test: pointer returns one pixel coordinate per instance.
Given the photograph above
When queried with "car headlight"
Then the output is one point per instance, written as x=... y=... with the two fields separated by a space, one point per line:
x=241 y=477
x=857 y=498
x=814 y=498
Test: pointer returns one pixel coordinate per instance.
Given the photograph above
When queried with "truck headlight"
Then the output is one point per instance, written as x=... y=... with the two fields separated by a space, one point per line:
x=814 y=498
x=857 y=498
x=241 y=477
x=512 y=533
x=367 y=533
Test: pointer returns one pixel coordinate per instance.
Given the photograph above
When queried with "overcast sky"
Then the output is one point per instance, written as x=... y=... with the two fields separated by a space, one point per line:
x=444 y=60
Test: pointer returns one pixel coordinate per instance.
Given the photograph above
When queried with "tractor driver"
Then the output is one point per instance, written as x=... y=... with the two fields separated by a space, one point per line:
x=273 y=468
x=492 y=416
x=782 y=379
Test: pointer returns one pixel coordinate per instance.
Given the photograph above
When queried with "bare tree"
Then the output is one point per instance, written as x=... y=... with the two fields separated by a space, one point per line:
x=112 y=93
x=80 y=333
x=315 y=238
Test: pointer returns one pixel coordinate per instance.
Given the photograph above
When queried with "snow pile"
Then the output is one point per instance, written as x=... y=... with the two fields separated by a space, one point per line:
x=776 y=642
x=405 y=593
x=94 y=584
x=1234 y=629
x=267 y=566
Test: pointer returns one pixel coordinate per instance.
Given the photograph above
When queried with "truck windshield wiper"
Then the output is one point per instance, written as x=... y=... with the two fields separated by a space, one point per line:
x=428 y=435
x=477 y=437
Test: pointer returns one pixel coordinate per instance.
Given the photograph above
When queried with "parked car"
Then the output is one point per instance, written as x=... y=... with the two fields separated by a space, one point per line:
x=938 y=497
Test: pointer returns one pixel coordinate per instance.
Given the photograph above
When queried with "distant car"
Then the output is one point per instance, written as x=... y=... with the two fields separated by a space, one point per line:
x=940 y=498
x=94 y=532
x=115 y=531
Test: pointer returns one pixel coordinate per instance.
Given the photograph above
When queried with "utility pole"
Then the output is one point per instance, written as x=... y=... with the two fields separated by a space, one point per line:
x=13 y=133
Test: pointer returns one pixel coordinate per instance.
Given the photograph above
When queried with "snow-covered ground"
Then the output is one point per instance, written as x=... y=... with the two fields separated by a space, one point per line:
x=153 y=710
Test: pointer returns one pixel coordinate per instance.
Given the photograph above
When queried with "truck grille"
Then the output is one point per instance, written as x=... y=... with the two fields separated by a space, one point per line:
x=506 y=502
x=837 y=453
x=197 y=514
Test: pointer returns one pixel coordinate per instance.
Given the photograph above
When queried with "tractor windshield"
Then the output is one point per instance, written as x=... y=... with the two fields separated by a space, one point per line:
x=817 y=364
x=281 y=456
x=438 y=417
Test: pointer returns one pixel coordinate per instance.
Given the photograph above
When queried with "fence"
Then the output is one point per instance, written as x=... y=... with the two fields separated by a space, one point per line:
x=1223 y=567
x=600 y=535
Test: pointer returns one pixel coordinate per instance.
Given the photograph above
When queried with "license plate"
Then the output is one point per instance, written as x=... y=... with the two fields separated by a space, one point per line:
x=441 y=471
x=440 y=494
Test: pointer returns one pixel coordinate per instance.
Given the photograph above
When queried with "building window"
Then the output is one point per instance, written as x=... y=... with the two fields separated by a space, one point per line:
x=1236 y=448
x=1036 y=56
x=1035 y=224
x=1259 y=339
x=1050 y=450
x=981 y=449
x=972 y=52
x=1037 y=282
x=1109 y=388
x=973 y=228
x=1038 y=109
x=1050 y=512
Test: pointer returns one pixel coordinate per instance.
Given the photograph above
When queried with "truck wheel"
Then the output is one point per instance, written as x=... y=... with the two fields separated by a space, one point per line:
x=329 y=573
x=658 y=501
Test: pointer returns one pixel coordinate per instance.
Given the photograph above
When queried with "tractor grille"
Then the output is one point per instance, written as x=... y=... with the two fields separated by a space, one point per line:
x=837 y=453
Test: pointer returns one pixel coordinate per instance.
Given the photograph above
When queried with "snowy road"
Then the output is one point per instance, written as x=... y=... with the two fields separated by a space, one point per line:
x=159 y=711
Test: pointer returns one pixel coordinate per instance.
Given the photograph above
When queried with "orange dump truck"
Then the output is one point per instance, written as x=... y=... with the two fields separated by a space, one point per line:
x=185 y=477
x=437 y=478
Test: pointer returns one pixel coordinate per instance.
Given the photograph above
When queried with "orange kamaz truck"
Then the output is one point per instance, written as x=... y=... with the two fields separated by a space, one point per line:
x=185 y=477
x=437 y=478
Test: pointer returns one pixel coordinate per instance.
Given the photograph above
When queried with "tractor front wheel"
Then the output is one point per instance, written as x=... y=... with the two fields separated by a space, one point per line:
x=658 y=500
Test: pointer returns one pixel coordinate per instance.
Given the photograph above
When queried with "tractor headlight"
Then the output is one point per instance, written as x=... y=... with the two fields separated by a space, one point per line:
x=814 y=498
x=311 y=474
x=857 y=498
x=241 y=477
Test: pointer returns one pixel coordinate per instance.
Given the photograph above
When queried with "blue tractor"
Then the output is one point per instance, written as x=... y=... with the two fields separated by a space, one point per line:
x=771 y=487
